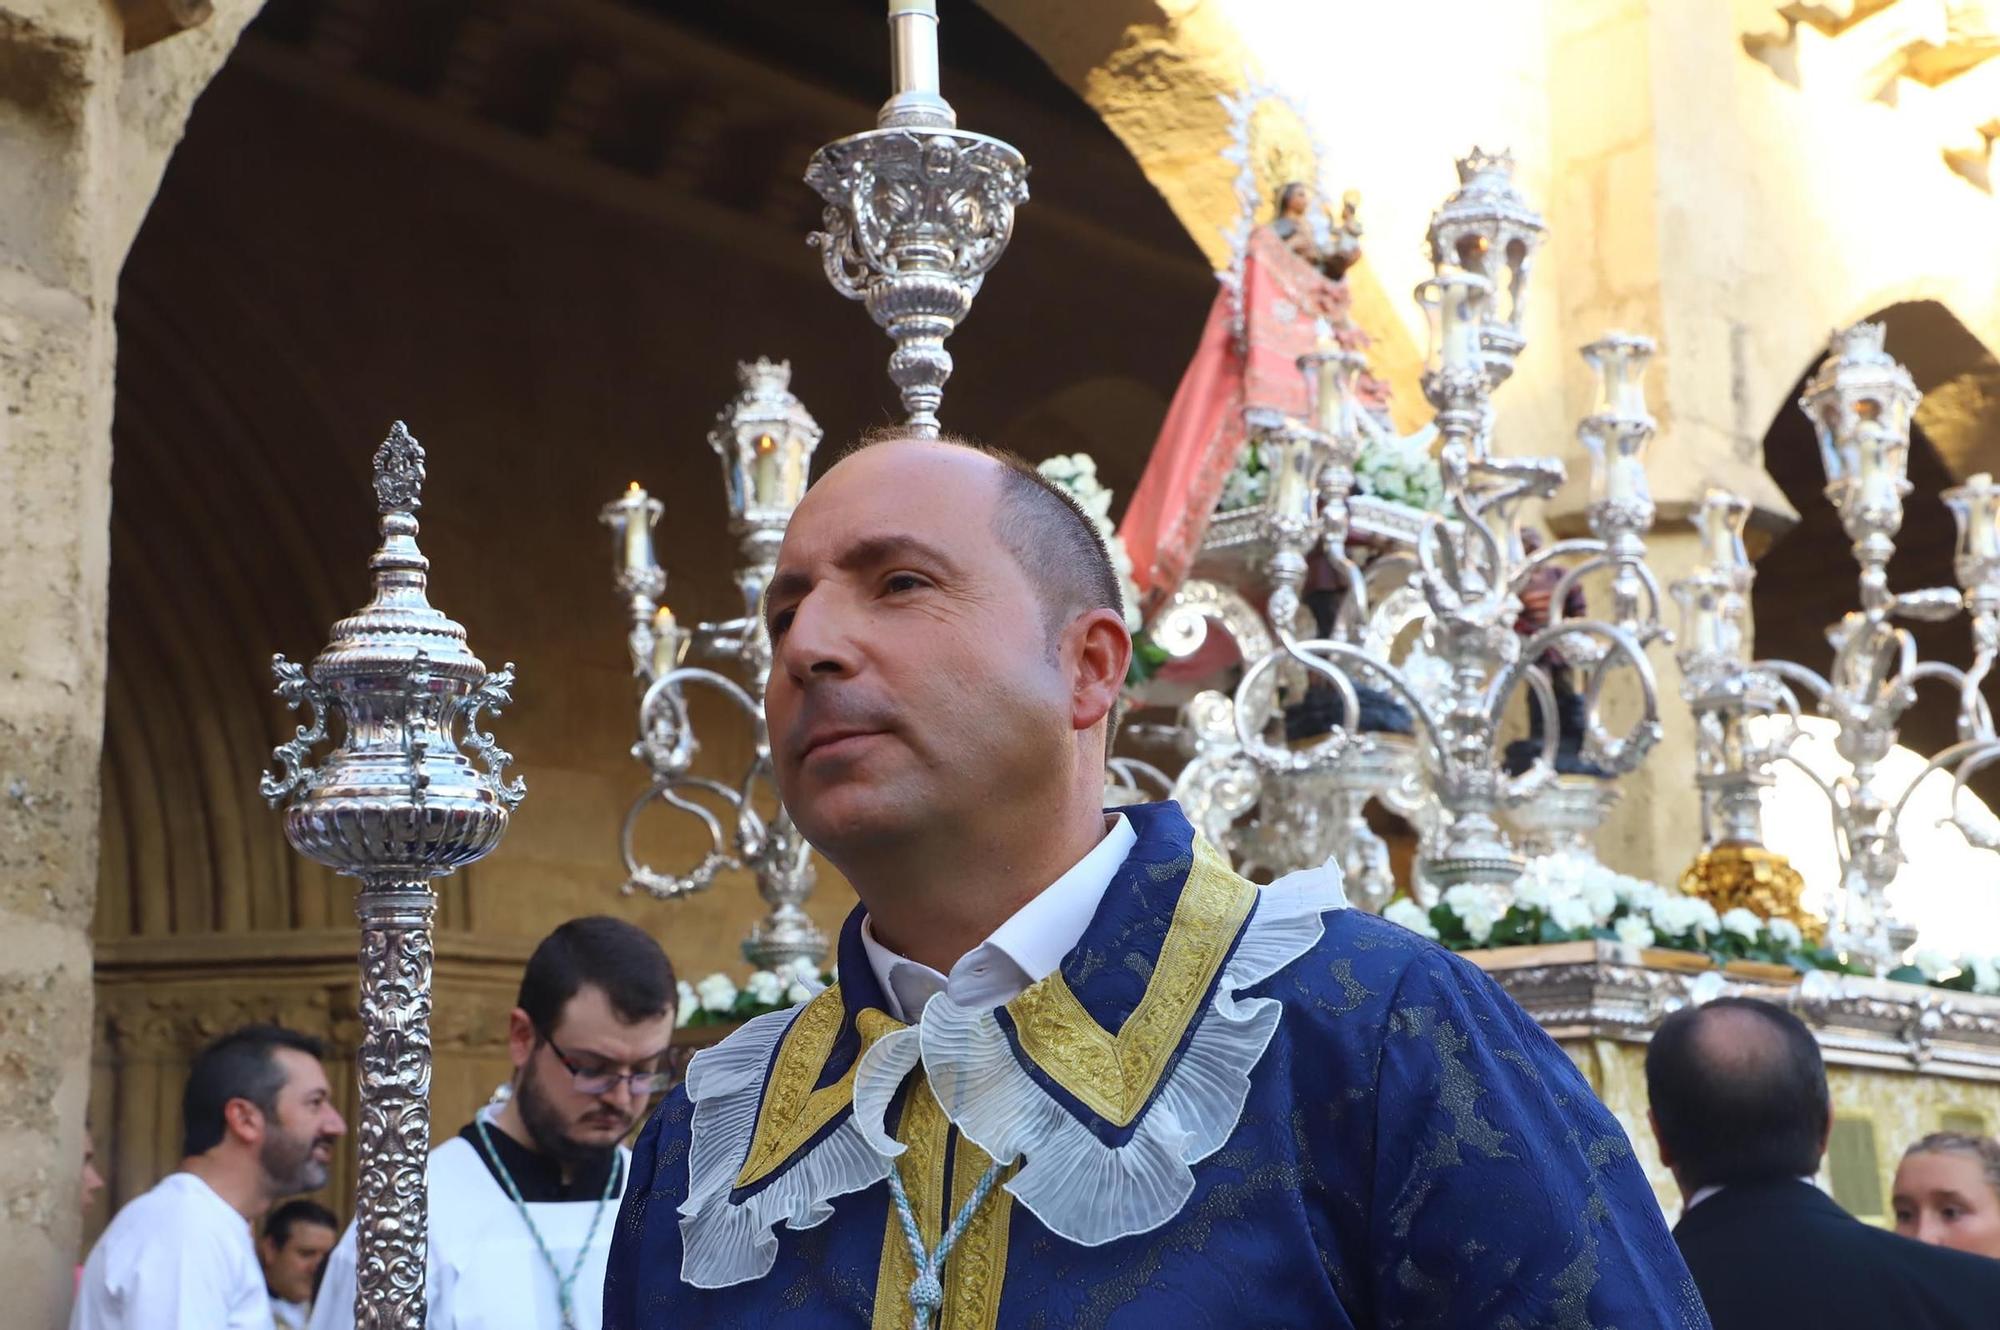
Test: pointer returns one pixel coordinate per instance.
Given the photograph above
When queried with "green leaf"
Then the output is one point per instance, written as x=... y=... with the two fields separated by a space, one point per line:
x=1908 y=974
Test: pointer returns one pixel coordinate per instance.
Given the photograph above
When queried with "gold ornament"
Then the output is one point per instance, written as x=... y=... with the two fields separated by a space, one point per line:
x=1743 y=875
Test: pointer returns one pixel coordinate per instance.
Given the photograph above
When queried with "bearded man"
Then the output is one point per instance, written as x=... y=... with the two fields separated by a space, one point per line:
x=258 y=1125
x=1077 y=1072
x=522 y=1200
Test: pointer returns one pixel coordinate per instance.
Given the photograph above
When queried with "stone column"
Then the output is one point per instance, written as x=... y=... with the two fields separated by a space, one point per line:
x=85 y=130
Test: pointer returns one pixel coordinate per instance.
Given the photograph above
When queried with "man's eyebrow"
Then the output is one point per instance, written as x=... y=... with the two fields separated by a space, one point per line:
x=870 y=552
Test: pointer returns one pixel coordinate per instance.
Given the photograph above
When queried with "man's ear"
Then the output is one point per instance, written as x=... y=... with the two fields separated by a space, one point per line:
x=243 y=1120
x=1659 y=1141
x=1100 y=653
x=521 y=1038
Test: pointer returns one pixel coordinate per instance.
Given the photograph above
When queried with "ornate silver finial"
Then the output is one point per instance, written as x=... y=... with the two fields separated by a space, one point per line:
x=916 y=213
x=399 y=471
x=395 y=805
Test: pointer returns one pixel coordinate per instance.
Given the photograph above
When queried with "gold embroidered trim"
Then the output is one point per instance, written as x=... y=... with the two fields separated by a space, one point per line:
x=977 y=1266
x=792 y=1111
x=1115 y=1076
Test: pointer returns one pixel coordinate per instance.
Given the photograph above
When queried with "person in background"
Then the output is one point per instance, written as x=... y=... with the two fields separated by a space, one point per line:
x=1948 y=1192
x=258 y=1125
x=89 y=1184
x=296 y=1238
x=524 y=1198
x=1741 y=1112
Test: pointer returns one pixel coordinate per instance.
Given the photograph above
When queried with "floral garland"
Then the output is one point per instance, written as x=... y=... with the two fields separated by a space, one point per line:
x=717 y=1000
x=1566 y=898
x=1398 y=470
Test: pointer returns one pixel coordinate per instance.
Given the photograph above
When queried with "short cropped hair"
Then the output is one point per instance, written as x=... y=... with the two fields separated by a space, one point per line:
x=1738 y=1093
x=278 y=1225
x=1053 y=540
x=240 y=1065
x=620 y=959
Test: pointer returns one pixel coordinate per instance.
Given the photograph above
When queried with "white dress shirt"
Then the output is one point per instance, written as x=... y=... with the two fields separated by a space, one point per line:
x=1027 y=948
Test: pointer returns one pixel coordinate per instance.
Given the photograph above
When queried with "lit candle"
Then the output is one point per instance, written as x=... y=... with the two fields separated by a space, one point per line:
x=766 y=488
x=666 y=641
x=636 y=528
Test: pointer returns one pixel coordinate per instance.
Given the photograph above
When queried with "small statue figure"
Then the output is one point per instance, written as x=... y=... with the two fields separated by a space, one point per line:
x=1292 y=226
x=1572 y=719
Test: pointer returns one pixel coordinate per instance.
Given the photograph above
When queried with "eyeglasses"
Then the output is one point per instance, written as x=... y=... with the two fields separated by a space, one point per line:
x=643 y=1084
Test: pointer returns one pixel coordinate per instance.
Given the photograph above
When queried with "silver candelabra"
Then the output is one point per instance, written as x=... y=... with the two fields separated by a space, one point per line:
x=396 y=804
x=1458 y=589
x=1861 y=404
x=765 y=439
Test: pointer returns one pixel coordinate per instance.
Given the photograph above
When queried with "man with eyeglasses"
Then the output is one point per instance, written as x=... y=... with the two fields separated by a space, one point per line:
x=524 y=1198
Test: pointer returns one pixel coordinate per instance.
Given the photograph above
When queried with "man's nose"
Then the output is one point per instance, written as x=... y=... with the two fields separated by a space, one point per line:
x=339 y=1124
x=820 y=638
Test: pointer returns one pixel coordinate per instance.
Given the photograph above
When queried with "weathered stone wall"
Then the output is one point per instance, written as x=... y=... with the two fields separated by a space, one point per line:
x=85 y=130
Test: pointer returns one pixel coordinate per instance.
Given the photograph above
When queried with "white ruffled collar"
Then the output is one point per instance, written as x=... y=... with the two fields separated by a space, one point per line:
x=1179 y=1088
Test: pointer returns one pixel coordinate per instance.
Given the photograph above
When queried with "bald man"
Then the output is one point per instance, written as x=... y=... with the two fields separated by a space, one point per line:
x=1076 y=1072
x=1741 y=1112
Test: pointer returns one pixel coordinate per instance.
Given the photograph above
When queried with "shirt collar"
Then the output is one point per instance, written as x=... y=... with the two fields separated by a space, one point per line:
x=1028 y=947
x=537 y=1175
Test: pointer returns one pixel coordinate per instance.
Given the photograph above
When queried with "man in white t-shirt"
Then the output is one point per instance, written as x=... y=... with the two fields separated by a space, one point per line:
x=258 y=1124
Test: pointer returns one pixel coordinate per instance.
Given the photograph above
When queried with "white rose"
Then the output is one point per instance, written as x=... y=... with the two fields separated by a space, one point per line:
x=1531 y=892
x=1634 y=931
x=1406 y=913
x=1571 y=913
x=686 y=1004
x=1744 y=923
x=764 y=987
x=1601 y=897
x=798 y=993
x=1637 y=892
x=1985 y=974
x=1704 y=915
x=1934 y=964
x=1479 y=925
x=1674 y=916
x=1786 y=934
x=716 y=993
x=804 y=970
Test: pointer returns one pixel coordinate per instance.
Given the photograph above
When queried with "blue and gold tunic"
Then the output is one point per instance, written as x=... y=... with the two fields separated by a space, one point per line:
x=1232 y=1106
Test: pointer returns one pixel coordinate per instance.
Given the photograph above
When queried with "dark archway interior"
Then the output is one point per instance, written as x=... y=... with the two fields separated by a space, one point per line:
x=543 y=233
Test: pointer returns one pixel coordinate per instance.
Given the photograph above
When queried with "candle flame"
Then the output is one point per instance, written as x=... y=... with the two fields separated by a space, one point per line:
x=634 y=488
x=765 y=443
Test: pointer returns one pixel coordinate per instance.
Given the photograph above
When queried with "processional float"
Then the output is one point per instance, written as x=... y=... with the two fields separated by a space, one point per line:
x=396 y=804
x=1428 y=619
x=918 y=211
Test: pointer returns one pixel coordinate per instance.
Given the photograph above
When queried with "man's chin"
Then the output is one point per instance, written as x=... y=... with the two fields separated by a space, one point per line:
x=850 y=814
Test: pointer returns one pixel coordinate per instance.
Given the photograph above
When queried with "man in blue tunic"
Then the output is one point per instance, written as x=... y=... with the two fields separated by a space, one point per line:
x=1076 y=1072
